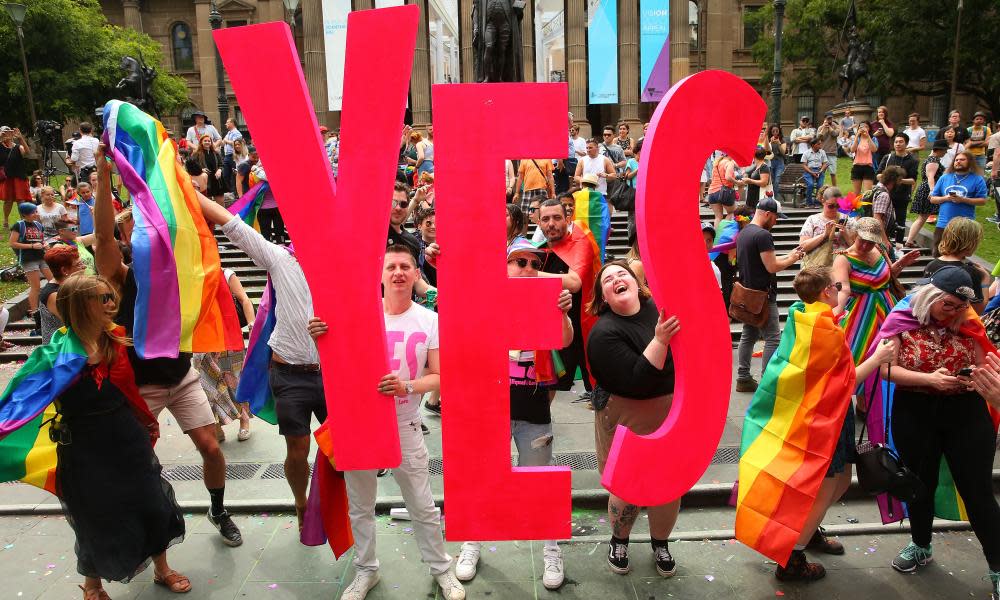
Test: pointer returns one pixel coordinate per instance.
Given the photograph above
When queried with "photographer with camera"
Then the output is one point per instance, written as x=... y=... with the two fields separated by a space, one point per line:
x=82 y=158
x=13 y=183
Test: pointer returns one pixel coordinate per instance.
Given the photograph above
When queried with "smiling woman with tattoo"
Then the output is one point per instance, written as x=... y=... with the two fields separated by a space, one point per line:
x=630 y=360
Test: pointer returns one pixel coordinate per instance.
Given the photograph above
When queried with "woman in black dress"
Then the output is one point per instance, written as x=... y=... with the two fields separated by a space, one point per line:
x=122 y=511
x=922 y=207
x=209 y=161
x=629 y=356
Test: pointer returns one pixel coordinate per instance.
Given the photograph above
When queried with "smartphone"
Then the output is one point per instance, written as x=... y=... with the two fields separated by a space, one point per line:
x=966 y=372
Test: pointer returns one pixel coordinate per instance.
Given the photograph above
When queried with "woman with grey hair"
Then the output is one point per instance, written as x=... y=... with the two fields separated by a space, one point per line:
x=936 y=413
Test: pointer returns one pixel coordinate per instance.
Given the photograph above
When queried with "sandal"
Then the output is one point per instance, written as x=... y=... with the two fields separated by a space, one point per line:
x=910 y=244
x=89 y=593
x=243 y=435
x=173 y=581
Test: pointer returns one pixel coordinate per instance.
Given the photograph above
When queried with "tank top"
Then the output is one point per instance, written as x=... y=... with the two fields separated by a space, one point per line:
x=594 y=166
x=863 y=156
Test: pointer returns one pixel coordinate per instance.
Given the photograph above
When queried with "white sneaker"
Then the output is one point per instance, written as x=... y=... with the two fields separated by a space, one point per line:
x=451 y=589
x=553 y=574
x=468 y=560
x=363 y=581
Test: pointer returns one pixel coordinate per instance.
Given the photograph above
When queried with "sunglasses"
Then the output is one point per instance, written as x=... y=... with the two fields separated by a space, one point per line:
x=105 y=298
x=524 y=262
x=838 y=285
x=532 y=209
x=400 y=203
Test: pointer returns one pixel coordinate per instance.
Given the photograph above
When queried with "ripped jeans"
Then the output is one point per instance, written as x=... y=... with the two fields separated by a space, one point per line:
x=534 y=443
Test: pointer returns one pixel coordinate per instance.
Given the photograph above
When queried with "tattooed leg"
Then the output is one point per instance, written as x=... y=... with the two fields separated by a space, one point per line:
x=622 y=516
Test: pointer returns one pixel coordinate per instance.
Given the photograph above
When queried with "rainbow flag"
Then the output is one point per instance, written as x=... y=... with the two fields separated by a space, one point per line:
x=85 y=213
x=948 y=504
x=725 y=238
x=326 y=516
x=183 y=303
x=249 y=203
x=591 y=211
x=254 y=386
x=791 y=430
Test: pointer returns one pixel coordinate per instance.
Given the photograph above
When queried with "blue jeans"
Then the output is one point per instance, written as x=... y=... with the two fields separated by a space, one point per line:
x=813 y=183
x=777 y=168
x=981 y=161
x=533 y=442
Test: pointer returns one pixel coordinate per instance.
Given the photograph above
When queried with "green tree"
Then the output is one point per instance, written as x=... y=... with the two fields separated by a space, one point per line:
x=914 y=43
x=74 y=56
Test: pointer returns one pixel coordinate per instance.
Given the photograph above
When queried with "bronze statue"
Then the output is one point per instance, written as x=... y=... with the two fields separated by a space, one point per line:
x=138 y=82
x=496 y=40
x=858 y=54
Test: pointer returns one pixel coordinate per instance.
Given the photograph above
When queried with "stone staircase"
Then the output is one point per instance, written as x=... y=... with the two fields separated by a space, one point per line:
x=786 y=237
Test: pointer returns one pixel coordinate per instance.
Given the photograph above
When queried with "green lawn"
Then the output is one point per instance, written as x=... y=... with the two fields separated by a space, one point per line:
x=9 y=289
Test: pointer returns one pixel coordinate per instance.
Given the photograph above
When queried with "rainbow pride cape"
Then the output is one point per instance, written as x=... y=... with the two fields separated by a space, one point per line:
x=254 y=386
x=248 y=205
x=591 y=211
x=183 y=303
x=947 y=502
x=725 y=238
x=791 y=430
x=326 y=516
x=28 y=403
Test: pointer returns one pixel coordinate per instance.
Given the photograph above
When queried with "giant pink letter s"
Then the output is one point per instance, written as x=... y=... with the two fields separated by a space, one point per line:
x=342 y=260
x=484 y=314
x=661 y=467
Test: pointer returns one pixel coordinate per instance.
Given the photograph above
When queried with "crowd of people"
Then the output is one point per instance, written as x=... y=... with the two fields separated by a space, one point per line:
x=614 y=333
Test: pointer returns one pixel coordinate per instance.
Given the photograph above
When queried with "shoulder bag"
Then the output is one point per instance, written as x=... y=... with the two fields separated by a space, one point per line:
x=748 y=305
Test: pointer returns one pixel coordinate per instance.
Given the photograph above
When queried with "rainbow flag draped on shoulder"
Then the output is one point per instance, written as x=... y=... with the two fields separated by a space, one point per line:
x=791 y=430
x=254 y=386
x=947 y=502
x=183 y=303
x=248 y=205
x=592 y=212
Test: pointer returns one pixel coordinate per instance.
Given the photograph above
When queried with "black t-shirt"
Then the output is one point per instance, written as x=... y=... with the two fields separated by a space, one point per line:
x=975 y=274
x=11 y=160
x=29 y=232
x=404 y=238
x=614 y=352
x=554 y=264
x=753 y=240
x=243 y=173
x=47 y=290
x=909 y=164
x=528 y=400
x=961 y=134
x=753 y=191
x=429 y=271
x=154 y=371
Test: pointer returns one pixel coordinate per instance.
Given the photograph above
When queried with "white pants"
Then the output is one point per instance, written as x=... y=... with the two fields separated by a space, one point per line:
x=413 y=479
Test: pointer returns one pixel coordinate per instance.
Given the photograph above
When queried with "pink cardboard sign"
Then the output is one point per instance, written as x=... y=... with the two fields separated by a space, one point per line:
x=342 y=257
x=484 y=314
x=729 y=114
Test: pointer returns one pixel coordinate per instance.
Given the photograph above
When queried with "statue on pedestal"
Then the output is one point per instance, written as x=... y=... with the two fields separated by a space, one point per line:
x=138 y=82
x=496 y=40
x=858 y=54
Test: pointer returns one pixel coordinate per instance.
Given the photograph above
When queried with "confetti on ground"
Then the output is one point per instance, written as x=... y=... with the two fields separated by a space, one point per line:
x=872 y=550
x=273 y=586
x=709 y=578
x=602 y=521
x=596 y=546
x=493 y=548
x=779 y=593
x=408 y=530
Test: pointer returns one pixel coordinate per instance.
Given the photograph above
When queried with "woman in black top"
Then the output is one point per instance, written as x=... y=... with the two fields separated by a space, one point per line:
x=210 y=162
x=959 y=241
x=14 y=187
x=630 y=360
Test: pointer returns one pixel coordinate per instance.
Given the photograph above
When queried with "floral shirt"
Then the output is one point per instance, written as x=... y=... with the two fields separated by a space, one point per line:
x=930 y=348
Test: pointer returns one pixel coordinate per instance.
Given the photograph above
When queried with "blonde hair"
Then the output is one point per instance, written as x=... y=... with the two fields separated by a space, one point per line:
x=924 y=297
x=961 y=237
x=87 y=319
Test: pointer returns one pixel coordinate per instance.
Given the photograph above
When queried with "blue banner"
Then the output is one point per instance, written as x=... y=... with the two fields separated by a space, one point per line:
x=602 y=51
x=654 y=48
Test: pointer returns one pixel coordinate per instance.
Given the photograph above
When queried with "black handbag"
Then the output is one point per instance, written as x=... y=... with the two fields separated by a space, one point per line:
x=880 y=468
x=622 y=197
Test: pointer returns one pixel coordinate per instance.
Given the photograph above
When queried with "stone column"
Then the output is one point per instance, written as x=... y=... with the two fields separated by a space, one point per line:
x=133 y=18
x=528 y=40
x=576 y=63
x=205 y=60
x=465 y=39
x=720 y=33
x=628 y=61
x=680 y=42
x=364 y=4
x=315 y=57
x=420 y=78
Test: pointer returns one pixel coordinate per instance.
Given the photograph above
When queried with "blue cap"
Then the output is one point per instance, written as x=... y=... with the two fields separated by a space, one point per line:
x=26 y=208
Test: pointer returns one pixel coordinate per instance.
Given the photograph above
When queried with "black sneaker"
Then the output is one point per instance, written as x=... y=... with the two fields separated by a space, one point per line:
x=586 y=396
x=424 y=429
x=434 y=408
x=618 y=558
x=666 y=566
x=382 y=472
x=230 y=532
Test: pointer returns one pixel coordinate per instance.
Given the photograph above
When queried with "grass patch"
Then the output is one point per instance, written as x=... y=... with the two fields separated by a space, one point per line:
x=9 y=289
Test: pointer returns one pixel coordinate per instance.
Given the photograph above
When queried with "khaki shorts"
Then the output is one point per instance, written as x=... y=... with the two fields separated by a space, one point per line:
x=643 y=417
x=186 y=401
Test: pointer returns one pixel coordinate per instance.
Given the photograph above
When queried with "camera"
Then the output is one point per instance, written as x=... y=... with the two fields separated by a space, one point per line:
x=49 y=132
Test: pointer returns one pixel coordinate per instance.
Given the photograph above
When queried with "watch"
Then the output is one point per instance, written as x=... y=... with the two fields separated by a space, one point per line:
x=409 y=387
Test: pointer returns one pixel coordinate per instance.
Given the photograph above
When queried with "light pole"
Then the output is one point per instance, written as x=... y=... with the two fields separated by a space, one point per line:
x=779 y=20
x=17 y=12
x=291 y=6
x=215 y=20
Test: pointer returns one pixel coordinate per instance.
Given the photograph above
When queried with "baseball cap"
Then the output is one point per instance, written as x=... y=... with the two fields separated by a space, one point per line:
x=955 y=281
x=27 y=208
x=771 y=205
x=5 y=129
x=522 y=245
x=323 y=129
x=829 y=113
x=707 y=226
x=868 y=229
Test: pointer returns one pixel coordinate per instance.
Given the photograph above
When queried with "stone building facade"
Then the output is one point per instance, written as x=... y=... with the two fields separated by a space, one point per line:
x=704 y=34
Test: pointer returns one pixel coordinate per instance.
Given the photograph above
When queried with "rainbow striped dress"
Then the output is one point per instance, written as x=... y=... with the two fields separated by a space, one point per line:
x=869 y=304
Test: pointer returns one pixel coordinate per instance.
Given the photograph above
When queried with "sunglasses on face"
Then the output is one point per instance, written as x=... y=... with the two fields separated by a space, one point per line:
x=532 y=209
x=105 y=298
x=400 y=203
x=524 y=262
x=838 y=285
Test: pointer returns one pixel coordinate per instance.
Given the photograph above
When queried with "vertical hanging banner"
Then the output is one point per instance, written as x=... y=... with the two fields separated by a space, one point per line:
x=335 y=40
x=602 y=51
x=654 y=48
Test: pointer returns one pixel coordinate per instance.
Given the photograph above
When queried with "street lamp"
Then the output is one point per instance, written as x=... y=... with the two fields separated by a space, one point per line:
x=17 y=12
x=291 y=6
x=779 y=19
x=215 y=20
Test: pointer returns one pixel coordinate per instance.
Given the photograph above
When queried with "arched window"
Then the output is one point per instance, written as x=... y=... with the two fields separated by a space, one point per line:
x=183 y=49
x=693 y=24
x=806 y=105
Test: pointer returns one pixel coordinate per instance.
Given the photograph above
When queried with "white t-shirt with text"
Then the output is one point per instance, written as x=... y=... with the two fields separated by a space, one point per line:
x=409 y=336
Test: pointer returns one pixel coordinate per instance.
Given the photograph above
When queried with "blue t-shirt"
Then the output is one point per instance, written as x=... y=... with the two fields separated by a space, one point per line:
x=968 y=185
x=633 y=165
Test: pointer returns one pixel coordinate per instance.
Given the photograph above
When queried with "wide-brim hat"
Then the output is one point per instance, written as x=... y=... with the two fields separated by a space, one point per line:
x=591 y=179
x=868 y=229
